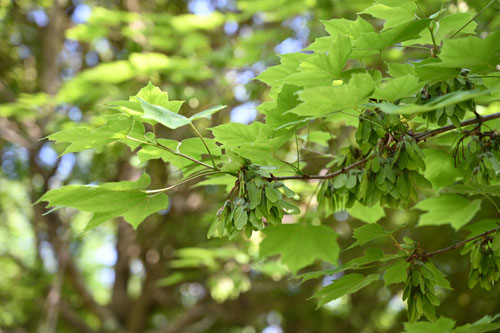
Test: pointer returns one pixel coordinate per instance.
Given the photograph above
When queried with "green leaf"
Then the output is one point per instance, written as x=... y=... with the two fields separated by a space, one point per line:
x=236 y=134
x=471 y=52
x=367 y=233
x=472 y=189
x=348 y=284
x=366 y=214
x=442 y=325
x=194 y=147
x=431 y=71
x=347 y=27
x=162 y=115
x=397 y=34
x=400 y=87
x=392 y=15
x=447 y=209
x=321 y=101
x=117 y=127
x=207 y=114
x=447 y=26
x=439 y=277
x=433 y=104
x=274 y=75
x=397 y=70
x=300 y=244
x=323 y=68
x=396 y=273
x=440 y=169
x=153 y=95
x=109 y=200
x=351 y=29
x=371 y=255
x=255 y=142
x=485 y=324
x=276 y=115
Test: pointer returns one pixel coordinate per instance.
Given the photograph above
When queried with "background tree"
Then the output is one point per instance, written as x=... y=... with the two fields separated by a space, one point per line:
x=68 y=62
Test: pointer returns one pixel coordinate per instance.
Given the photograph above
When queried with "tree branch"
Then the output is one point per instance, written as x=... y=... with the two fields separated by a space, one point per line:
x=417 y=136
x=459 y=244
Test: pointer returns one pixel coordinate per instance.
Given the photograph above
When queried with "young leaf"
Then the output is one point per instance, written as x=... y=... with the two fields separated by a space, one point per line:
x=367 y=233
x=396 y=273
x=471 y=52
x=397 y=34
x=348 y=284
x=109 y=200
x=448 y=208
x=117 y=127
x=320 y=101
x=162 y=115
x=366 y=214
x=207 y=113
x=472 y=189
x=300 y=244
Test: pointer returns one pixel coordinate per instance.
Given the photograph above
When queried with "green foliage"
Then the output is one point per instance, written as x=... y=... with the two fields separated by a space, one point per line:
x=443 y=324
x=380 y=156
x=299 y=245
x=347 y=284
x=109 y=200
x=449 y=208
x=485 y=261
x=419 y=291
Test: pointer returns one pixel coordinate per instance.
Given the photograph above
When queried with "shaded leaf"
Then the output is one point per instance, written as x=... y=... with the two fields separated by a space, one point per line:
x=367 y=233
x=447 y=209
x=299 y=244
x=109 y=200
x=348 y=284
x=366 y=214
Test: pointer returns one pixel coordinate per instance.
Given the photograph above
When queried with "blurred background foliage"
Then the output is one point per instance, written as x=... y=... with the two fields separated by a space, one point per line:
x=61 y=61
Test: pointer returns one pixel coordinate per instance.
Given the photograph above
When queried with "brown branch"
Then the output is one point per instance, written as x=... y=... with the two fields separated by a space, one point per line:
x=10 y=132
x=423 y=135
x=459 y=244
x=417 y=136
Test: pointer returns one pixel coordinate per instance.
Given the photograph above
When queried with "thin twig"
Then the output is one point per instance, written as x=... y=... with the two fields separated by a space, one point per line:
x=417 y=136
x=181 y=183
x=472 y=19
x=431 y=30
x=159 y=145
x=206 y=146
x=298 y=152
x=459 y=244
x=423 y=135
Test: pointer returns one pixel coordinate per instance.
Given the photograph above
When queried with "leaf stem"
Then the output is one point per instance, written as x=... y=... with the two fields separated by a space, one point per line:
x=459 y=244
x=472 y=19
x=182 y=182
x=417 y=136
x=431 y=31
x=159 y=145
x=298 y=152
x=206 y=146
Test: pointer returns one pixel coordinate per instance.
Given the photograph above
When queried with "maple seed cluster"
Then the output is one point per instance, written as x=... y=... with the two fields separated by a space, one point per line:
x=485 y=261
x=419 y=291
x=388 y=177
x=256 y=200
x=480 y=158
x=373 y=126
x=455 y=112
